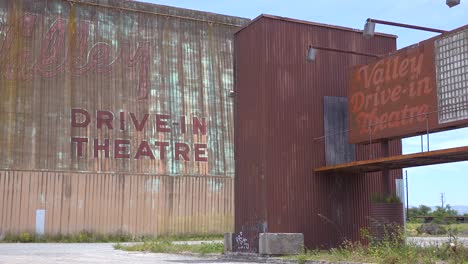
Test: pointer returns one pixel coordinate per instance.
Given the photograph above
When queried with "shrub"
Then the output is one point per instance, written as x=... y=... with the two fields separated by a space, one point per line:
x=25 y=237
x=166 y=246
x=385 y=198
x=390 y=250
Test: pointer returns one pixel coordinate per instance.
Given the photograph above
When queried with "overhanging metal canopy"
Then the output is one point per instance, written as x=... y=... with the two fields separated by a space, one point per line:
x=400 y=161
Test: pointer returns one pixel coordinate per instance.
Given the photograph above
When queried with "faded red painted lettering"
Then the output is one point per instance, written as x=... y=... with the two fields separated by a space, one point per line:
x=183 y=125
x=161 y=123
x=79 y=56
x=104 y=117
x=144 y=150
x=182 y=149
x=52 y=59
x=139 y=125
x=162 y=149
x=79 y=145
x=122 y=121
x=124 y=148
x=200 y=152
x=140 y=59
x=105 y=147
x=199 y=126
x=377 y=90
x=121 y=150
x=75 y=117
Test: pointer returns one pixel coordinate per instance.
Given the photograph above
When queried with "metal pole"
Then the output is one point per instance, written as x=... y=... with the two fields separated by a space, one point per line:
x=442 y=199
x=405 y=25
x=370 y=139
x=427 y=131
x=386 y=172
x=407 y=197
x=347 y=51
x=370 y=142
x=422 y=143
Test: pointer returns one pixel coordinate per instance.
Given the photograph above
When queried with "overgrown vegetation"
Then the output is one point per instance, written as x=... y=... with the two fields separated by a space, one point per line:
x=385 y=198
x=90 y=237
x=441 y=224
x=390 y=250
x=439 y=214
x=167 y=246
x=431 y=229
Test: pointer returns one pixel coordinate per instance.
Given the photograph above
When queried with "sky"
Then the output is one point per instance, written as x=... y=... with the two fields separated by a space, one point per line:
x=425 y=183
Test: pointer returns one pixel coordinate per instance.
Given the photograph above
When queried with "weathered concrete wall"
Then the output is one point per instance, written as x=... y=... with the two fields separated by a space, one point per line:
x=114 y=88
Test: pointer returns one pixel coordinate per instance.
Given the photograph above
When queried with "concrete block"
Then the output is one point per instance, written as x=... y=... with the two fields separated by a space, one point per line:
x=281 y=243
x=227 y=242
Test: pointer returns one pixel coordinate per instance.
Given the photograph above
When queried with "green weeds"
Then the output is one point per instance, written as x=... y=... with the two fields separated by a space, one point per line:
x=167 y=246
x=391 y=250
x=90 y=237
x=81 y=237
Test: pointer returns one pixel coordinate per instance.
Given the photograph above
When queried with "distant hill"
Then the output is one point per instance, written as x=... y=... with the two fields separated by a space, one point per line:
x=462 y=209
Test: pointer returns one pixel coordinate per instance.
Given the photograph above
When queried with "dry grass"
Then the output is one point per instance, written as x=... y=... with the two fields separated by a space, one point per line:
x=166 y=246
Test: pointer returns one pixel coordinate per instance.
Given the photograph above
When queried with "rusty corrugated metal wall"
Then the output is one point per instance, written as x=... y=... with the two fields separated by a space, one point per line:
x=279 y=112
x=115 y=203
x=100 y=96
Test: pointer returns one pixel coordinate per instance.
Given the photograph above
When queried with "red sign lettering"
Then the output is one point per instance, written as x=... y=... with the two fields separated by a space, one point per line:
x=126 y=147
x=75 y=117
x=392 y=97
x=79 y=57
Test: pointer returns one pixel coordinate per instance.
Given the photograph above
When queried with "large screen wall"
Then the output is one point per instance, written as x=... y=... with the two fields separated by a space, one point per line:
x=94 y=87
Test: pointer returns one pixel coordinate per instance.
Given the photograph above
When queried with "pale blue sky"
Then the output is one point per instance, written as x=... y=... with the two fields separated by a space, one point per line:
x=425 y=183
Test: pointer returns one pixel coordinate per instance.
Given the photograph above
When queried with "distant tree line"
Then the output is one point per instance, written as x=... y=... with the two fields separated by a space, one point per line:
x=439 y=214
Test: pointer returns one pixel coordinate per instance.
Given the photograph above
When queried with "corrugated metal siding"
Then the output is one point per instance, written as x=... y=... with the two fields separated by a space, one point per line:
x=112 y=203
x=279 y=112
x=250 y=134
x=58 y=56
x=116 y=56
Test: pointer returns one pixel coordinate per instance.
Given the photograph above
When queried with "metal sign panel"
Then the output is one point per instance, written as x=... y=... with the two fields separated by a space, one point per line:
x=335 y=119
x=452 y=76
x=403 y=94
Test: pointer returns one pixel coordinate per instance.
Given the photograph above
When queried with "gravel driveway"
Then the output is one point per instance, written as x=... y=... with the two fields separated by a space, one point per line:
x=434 y=241
x=50 y=253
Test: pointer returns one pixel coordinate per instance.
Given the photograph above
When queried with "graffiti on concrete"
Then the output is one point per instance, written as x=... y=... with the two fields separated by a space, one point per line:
x=242 y=242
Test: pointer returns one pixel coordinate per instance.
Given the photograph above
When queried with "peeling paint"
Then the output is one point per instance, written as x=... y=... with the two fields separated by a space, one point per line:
x=152 y=185
x=96 y=58
x=215 y=185
x=56 y=57
x=42 y=198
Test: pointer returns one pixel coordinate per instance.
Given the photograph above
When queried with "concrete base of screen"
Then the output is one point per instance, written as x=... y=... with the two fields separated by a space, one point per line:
x=281 y=243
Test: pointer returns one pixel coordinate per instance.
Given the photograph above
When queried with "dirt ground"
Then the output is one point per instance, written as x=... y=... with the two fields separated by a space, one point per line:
x=100 y=253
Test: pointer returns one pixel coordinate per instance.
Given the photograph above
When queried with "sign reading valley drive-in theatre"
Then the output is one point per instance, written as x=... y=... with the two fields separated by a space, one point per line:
x=414 y=90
